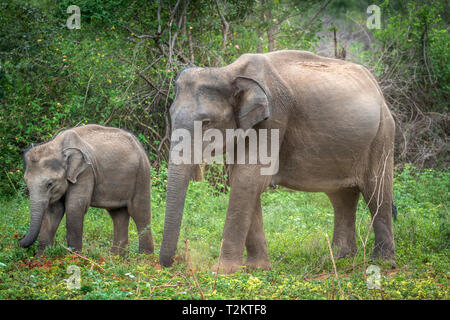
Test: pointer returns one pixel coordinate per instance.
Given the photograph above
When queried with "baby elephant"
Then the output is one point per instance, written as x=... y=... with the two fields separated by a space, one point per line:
x=88 y=166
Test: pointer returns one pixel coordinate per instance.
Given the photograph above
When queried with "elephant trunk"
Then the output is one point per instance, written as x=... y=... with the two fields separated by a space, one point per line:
x=177 y=184
x=37 y=210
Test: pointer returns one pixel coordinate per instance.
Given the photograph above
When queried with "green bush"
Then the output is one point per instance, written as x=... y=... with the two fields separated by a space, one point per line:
x=116 y=71
x=416 y=46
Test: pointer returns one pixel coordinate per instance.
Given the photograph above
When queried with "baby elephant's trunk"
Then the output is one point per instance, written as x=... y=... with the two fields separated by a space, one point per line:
x=37 y=209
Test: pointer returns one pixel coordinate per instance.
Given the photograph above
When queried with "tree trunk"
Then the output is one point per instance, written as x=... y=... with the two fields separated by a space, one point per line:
x=270 y=32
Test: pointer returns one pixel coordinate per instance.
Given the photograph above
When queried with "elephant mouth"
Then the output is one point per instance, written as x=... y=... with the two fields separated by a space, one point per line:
x=56 y=194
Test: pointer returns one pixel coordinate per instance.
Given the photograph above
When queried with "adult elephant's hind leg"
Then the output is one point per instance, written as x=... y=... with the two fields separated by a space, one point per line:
x=377 y=187
x=121 y=222
x=256 y=244
x=344 y=204
x=377 y=193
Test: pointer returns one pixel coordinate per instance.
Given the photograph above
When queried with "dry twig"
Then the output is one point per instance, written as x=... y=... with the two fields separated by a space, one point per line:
x=334 y=266
x=85 y=258
x=191 y=269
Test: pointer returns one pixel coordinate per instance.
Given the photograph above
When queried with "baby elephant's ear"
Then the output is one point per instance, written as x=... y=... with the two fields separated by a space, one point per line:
x=75 y=156
x=76 y=164
x=250 y=103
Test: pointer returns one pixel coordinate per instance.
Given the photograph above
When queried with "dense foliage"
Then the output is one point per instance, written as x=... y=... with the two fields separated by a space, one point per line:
x=413 y=68
x=118 y=68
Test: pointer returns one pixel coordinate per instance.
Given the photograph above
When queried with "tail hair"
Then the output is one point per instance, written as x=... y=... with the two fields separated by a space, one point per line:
x=394 y=212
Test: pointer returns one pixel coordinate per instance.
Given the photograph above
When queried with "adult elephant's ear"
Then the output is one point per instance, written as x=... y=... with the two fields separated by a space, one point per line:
x=250 y=102
x=77 y=155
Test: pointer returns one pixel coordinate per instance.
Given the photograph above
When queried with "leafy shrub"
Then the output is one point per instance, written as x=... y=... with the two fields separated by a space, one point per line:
x=410 y=59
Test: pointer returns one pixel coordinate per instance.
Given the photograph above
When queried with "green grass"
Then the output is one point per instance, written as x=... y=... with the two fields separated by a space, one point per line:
x=295 y=225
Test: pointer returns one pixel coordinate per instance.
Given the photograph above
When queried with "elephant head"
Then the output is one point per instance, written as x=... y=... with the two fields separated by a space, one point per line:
x=50 y=168
x=235 y=96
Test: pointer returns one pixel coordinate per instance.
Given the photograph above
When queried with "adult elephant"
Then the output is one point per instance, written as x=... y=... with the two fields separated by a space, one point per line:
x=336 y=136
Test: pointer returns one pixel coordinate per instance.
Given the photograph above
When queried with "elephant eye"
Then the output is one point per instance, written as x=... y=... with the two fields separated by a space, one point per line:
x=49 y=185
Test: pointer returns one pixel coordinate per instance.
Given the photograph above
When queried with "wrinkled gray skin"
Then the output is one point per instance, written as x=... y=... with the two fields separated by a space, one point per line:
x=336 y=136
x=88 y=166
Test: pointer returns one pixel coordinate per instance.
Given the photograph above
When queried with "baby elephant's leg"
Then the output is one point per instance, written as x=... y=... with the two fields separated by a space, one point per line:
x=139 y=210
x=50 y=223
x=74 y=226
x=121 y=221
x=77 y=203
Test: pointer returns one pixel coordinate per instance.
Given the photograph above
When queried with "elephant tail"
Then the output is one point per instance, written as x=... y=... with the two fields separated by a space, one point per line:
x=394 y=211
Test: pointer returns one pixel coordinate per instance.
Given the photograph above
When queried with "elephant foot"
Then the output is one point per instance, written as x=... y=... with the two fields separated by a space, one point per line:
x=389 y=261
x=344 y=247
x=119 y=251
x=344 y=252
x=146 y=248
x=386 y=254
x=255 y=264
x=146 y=245
x=225 y=267
x=41 y=248
x=39 y=253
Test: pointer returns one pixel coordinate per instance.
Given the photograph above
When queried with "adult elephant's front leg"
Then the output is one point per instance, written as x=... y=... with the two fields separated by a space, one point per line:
x=256 y=244
x=246 y=187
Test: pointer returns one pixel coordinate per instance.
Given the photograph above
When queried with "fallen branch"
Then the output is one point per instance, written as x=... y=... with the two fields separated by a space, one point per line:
x=188 y=263
x=334 y=266
x=85 y=258
x=160 y=286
